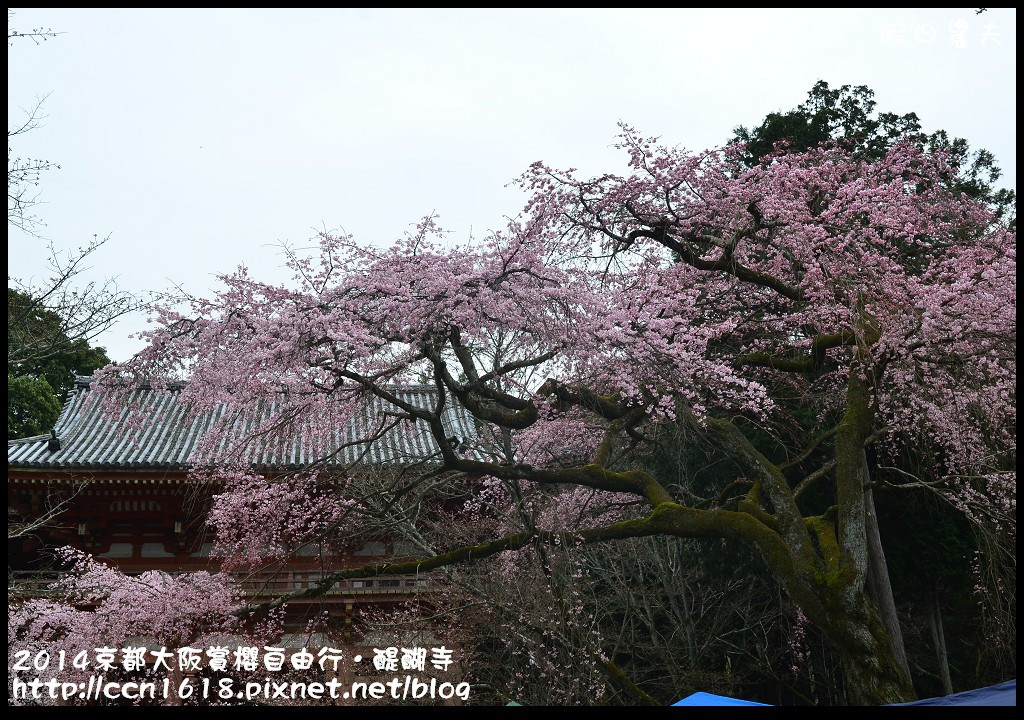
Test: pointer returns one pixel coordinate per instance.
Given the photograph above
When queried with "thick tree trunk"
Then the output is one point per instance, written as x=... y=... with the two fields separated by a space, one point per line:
x=870 y=667
x=827 y=574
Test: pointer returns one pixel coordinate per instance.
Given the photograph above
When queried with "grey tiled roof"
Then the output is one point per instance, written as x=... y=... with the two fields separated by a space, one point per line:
x=91 y=439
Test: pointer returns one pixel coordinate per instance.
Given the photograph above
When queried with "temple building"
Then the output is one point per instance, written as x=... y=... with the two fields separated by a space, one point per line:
x=124 y=494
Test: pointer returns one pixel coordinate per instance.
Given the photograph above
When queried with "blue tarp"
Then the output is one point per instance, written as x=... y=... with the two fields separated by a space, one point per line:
x=705 y=699
x=1003 y=694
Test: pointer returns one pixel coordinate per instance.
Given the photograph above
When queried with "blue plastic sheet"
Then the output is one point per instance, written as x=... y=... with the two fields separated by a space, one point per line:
x=706 y=699
x=1002 y=694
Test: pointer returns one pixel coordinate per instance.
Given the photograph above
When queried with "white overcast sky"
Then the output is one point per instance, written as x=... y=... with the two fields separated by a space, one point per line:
x=198 y=140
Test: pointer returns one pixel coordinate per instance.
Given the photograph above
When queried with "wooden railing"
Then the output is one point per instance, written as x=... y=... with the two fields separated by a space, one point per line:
x=266 y=583
x=32 y=584
x=254 y=584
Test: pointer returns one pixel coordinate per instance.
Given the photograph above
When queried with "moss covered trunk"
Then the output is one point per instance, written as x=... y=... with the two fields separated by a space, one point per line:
x=874 y=672
x=871 y=669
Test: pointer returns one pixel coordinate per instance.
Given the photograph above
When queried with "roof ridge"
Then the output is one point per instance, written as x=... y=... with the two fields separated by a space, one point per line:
x=32 y=438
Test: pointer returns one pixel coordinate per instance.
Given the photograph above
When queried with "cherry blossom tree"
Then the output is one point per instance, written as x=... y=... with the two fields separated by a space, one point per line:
x=96 y=609
x=692 y=290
